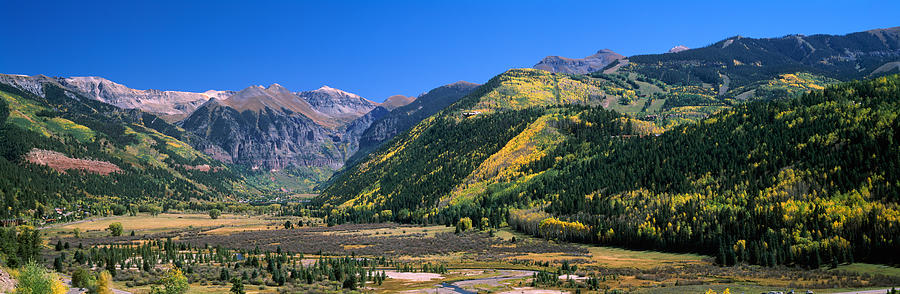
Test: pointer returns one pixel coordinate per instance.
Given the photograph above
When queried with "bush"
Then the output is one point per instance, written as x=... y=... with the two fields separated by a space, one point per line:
x=386 y=215
x=237 y=286
x=464 y=224
x=104 y=283
x=215 y=213
x=119 y=209
x=173 y=282
x=34 y=279
x=115 y=229
x=150 y=208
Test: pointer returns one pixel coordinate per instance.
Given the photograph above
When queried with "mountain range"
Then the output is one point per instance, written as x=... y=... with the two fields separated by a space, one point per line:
x=265 y=129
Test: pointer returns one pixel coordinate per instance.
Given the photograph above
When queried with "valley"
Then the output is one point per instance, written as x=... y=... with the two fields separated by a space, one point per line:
x=749 y=165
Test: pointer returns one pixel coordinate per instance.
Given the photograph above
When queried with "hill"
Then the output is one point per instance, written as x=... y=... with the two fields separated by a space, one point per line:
x=807 y=180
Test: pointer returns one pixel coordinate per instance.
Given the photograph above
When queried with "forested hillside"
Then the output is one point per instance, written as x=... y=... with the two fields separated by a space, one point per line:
x=441 y=150
x=810 y=180
x=52 y=146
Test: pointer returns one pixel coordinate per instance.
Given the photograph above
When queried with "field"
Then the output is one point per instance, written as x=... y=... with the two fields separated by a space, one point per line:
x=166 y=222
x=493 y=261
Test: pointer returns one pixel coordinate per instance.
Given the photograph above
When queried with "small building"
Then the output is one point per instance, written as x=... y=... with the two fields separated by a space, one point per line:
x=12 y=222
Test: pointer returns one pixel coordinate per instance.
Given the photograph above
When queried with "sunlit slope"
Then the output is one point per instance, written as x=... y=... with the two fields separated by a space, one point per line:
x=509 y=119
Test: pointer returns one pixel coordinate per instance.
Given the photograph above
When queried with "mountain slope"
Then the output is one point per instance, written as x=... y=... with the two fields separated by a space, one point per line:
x=404 y=117
x=64 y=149
x=783 y=182
x=468 y=131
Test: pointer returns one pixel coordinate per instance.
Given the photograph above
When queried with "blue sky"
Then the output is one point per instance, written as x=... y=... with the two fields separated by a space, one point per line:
x=377 y=48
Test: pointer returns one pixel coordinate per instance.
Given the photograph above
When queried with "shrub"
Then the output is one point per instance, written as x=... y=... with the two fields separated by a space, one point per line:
x=34 y=279
x=215 y=213
x=81 y=278
x=237 y=286
x=104 y=283
x=115 y=229
x=464 y=224
x=173 y=282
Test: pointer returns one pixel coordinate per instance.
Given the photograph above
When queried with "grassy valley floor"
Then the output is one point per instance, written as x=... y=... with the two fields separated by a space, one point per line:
x=498 y=261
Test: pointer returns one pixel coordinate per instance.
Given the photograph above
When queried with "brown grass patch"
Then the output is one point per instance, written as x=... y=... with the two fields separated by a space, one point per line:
x=163 y=221
x=61 y=163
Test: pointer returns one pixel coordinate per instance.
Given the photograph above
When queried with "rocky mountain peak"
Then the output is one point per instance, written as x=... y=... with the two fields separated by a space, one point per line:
x=606 y=51
x=331 y=93
x=274 y=97
x=396 y=101
x=593 y=63
x=275 y=87
x=678 y=48
x=341 y=105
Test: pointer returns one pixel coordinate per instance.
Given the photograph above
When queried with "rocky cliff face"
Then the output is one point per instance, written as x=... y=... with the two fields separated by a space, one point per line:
x=585 y=65
x=265 y=138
